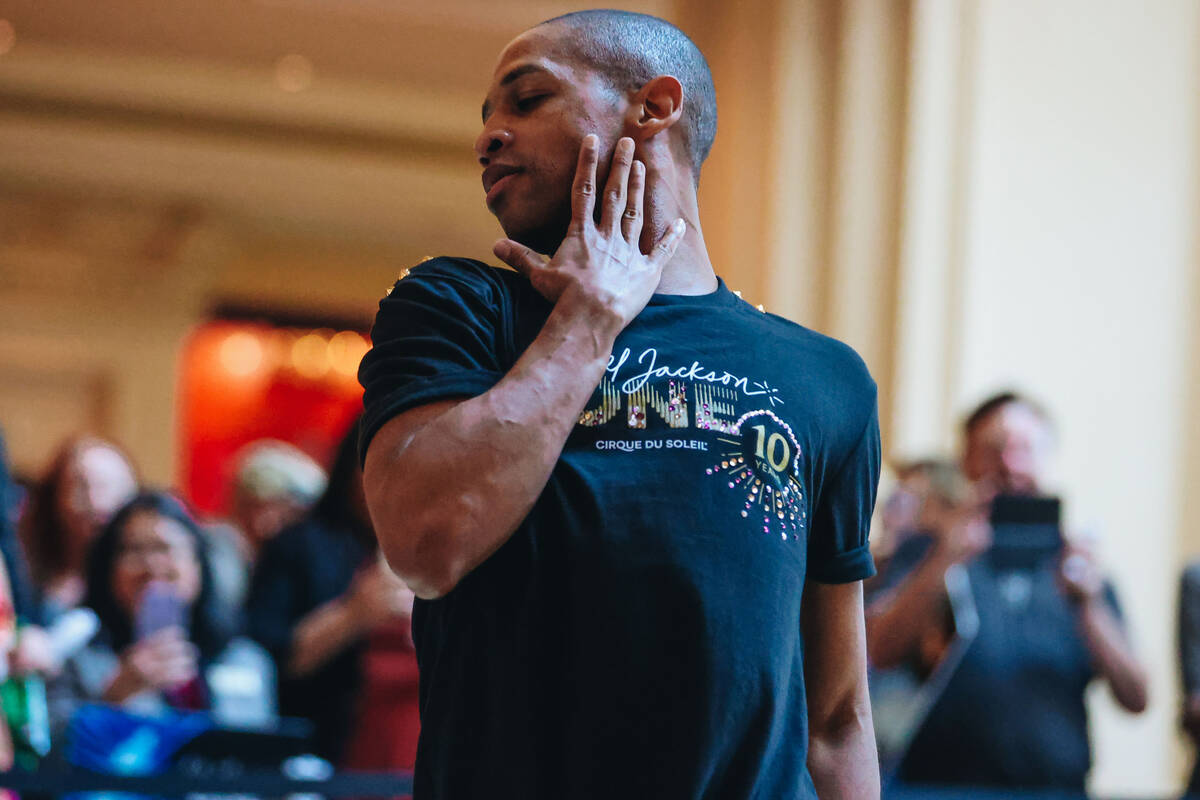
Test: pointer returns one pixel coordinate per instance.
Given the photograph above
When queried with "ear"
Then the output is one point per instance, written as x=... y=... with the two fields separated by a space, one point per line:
x=655 y=108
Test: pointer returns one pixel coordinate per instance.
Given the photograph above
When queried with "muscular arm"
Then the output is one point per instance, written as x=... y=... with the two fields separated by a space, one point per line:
x=448 y=483
x=841 y=740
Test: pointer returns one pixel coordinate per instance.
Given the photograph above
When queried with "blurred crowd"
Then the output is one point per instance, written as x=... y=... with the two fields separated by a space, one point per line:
x=982 y=644
x=116 y=596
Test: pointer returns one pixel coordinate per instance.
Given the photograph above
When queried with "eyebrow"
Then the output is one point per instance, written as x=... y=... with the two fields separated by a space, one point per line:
x=512 y=75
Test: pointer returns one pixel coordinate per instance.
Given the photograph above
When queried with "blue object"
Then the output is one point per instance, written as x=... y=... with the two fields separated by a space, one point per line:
x=116 y=742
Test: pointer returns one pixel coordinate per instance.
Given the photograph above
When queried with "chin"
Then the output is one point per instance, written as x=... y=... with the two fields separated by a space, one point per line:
x=543 y=237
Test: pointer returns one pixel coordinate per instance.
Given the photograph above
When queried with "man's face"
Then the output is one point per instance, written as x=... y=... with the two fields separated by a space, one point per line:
x=537 y=111
x=1008 y=451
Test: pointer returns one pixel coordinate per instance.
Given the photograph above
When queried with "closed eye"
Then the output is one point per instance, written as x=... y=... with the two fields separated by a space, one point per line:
x=529 y=103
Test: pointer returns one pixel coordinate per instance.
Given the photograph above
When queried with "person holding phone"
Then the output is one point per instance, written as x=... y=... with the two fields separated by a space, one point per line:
x=163 y=641
x=1013 y=713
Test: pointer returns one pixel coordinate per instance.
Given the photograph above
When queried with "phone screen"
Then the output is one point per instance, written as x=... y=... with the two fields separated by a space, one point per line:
x=1026 y=531
x=159 y=607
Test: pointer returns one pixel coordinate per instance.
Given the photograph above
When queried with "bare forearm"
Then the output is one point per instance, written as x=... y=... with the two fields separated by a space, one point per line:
x=896 y=619
x=450 y=494
x=1112 y=655
x=841 y=739
x=124 y=685
x=319 y=636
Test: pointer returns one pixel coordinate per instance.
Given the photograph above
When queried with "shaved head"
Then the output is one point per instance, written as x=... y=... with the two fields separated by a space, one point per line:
x=628 y=49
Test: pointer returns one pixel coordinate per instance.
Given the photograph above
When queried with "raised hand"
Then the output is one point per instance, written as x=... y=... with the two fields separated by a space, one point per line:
x=601 y=266
x=163 y=660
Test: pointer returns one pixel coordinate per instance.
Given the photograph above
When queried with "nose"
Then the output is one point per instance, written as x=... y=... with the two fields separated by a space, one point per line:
x=160 y=566
x=491 y=140
x=1011 y=458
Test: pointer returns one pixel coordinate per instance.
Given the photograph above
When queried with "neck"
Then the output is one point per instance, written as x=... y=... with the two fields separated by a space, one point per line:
x=670 y=195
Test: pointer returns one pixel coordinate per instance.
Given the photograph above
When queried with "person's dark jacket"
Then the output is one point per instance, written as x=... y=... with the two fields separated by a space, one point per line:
x=301 y=569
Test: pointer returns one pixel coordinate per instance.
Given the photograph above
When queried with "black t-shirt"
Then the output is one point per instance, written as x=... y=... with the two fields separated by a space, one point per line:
x=639 y=634
x=299 y=570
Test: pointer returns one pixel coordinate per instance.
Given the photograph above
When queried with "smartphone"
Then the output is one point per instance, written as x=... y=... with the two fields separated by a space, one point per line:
x=159 y=607
x=1026 y=531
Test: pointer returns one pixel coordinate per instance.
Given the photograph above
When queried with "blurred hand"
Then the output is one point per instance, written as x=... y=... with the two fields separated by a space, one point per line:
x=377 y=595
x=1079 y=572
x=164 y=660
x=34 y=653
x=963 y=534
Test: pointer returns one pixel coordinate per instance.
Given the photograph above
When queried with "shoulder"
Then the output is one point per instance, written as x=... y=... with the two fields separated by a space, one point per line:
x=453 y=273
x=838 y=375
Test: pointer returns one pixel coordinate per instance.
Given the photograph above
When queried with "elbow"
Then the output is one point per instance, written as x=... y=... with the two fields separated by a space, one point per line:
x=421 y=550
x=427 y=585
x=844 y=725
x=411 y=537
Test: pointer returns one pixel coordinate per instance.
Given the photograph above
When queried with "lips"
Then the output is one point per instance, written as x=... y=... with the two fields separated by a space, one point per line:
x=495 y=177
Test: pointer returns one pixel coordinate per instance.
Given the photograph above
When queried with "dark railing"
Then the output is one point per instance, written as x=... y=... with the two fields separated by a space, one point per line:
x=56 y=781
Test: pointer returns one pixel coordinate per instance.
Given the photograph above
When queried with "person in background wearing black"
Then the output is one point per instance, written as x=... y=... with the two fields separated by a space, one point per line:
x=634 y=506
x=13 y=553
x=1189 y=662
x=1012 y=713
x=317 y=591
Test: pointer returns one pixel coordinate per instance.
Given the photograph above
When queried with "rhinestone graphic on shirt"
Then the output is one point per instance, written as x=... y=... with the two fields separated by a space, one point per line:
x=764 y=463
x=759 y=454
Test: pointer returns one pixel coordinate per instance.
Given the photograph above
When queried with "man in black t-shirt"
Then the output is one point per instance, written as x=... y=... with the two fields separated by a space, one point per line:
x=633 y=507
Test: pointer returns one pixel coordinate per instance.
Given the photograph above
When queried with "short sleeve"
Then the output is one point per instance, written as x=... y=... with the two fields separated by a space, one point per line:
x=438 y=334
x=838 y=551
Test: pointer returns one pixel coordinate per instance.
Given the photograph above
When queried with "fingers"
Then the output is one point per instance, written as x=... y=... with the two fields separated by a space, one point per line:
x=165 y=636
x=666 y=246
x=631 y=220
x=614 y=192
x=583 y=192
x=518 y=256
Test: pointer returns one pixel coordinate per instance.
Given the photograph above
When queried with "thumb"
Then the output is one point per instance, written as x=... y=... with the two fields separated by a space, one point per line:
x=518 y=256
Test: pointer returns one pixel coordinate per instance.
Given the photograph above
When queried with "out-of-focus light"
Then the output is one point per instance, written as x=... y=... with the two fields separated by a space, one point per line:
x=293 y=73
x=241 y=353
x=346 y=350
x=310 y=356
x=8 y=36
